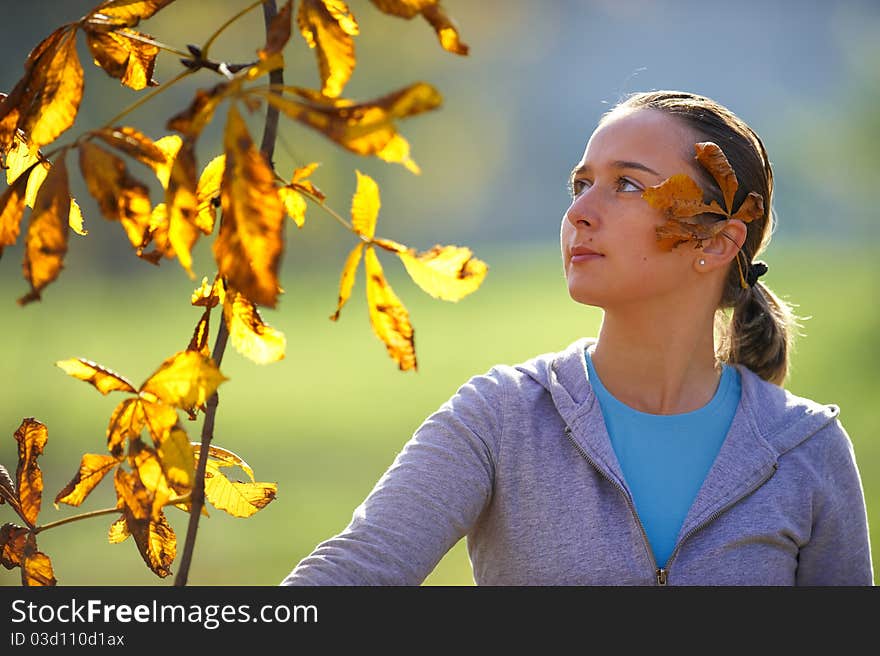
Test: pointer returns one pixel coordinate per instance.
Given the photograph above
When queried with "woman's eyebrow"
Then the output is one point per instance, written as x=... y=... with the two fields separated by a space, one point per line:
x=619 y=164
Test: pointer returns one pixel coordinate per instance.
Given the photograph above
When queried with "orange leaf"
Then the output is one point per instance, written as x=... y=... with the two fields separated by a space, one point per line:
x=105 y=380
x=13 y=540
x=199 y=340
x=92 y=470
x=346 y=280
x=388 y=316
x=131 y=416
x=124 y=13
x=191 y=121
x=675 y=232
x=135 y=143
x=365 y=128
x=12 y=204
x=714 y=160
x=37 y=568
x=752 y=208
x=208 y=193
x=432 y=11
x=46 y=240
x=32 y=437
x=278 y=32
x=209 y=295
x=124 y=55
x=120 y=196
x=446 y=272
x=249 y=244
x=249 y=334
x=182 y=205
x=55 y=104
x=328 y=26
x=7 y=490
x=679 y=197
x=365 y=206
x=185 y=380
x=154 y=537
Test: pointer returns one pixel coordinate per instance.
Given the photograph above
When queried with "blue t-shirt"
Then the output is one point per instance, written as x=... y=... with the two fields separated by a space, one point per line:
x=665 y=458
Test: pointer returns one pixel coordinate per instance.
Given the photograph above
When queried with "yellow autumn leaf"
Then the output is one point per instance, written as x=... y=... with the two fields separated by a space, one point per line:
x=92 y=470
x=250 y=241
x=249 y=334
x=104 y=380
x=46 y=239
x=154 y=537
x=433 y=12
x=328 y=27
x=446 y=272
x=182 y=205
x=365 y=206
x=176 y=457
x=236 y=498
x=118 y=531
x=37 y=569
x=31 y=436
x=346 y=280
x=208 y=193
x=185 y=380
x=294 y=204
x=125 y=55
x=55 y=91
x=120 y=196
x=12 y=204
x=277 y=32
x=124 y=13
x=388 y=317
x=169 y=145
x=221 y=457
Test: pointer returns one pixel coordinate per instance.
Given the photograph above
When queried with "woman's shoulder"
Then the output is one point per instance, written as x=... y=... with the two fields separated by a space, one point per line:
x=787 y=420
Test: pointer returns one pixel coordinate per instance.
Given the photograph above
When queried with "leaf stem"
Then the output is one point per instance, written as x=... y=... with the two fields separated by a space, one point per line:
x=197 y=500
x=137 y=36
x=96 y=513
x=229 y=22
x=128 y=110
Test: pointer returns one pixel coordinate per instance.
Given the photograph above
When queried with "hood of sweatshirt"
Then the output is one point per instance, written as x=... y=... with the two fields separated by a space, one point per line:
x=769 y=421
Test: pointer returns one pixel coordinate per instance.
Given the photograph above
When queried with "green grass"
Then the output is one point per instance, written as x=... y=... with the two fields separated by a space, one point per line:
x=325 y=422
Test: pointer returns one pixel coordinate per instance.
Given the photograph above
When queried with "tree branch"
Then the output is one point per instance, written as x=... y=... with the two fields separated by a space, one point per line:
x=270 y=134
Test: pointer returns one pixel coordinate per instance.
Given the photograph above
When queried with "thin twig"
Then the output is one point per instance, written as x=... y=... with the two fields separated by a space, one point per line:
x=270 y=133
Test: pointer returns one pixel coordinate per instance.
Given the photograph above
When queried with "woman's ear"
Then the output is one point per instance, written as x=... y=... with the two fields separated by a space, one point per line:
x=722 y=248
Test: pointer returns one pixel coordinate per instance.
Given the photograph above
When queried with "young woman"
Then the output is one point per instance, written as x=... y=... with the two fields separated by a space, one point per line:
x=665 y=451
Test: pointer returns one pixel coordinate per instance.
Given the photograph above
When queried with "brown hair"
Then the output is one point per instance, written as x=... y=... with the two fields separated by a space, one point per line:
x=754 y=327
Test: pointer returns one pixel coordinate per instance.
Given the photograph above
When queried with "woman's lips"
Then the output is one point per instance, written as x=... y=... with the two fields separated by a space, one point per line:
x=583 y=254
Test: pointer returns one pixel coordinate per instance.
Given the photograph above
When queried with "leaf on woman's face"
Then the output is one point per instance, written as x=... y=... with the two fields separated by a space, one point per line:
x=752 y=208
x=388 y=317
x=346 y=280
x=129 y=59
x=31 y=437
x=365 y=128
x=433 y=12
x=46 y=239
x=185 y=380
x=679 y=197
x=105 y=380
x=328 y=26
x=446 y=272
x=249 y=244
x=714 y=160
x=249 y=334
x=92 y=469
x=120 y=196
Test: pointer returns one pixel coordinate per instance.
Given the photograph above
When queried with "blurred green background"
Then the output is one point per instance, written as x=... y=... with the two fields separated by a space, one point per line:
x=325 y=422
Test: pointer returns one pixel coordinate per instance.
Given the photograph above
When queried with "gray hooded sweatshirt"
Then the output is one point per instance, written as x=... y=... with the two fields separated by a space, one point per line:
x=519 y=461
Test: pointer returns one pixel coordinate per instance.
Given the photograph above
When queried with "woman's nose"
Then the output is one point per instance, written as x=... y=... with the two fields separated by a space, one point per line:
x=582 y=211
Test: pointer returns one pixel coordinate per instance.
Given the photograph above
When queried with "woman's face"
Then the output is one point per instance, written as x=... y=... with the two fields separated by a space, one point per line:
x=610 y=252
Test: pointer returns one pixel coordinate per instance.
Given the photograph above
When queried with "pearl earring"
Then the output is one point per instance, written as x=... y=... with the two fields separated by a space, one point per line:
x=702 y=261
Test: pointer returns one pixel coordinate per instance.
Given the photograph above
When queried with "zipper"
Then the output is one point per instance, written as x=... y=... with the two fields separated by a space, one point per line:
x=659 y=572
x=711 y=518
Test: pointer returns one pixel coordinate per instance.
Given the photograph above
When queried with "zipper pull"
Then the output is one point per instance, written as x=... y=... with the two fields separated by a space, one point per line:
x=661 y=576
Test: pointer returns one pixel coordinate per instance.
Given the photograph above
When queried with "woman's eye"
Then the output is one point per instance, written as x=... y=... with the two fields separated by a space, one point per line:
x=576 y=186
x=624 y=184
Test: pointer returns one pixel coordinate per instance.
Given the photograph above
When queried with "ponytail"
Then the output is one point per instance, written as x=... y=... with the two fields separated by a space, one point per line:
x=759 y=334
